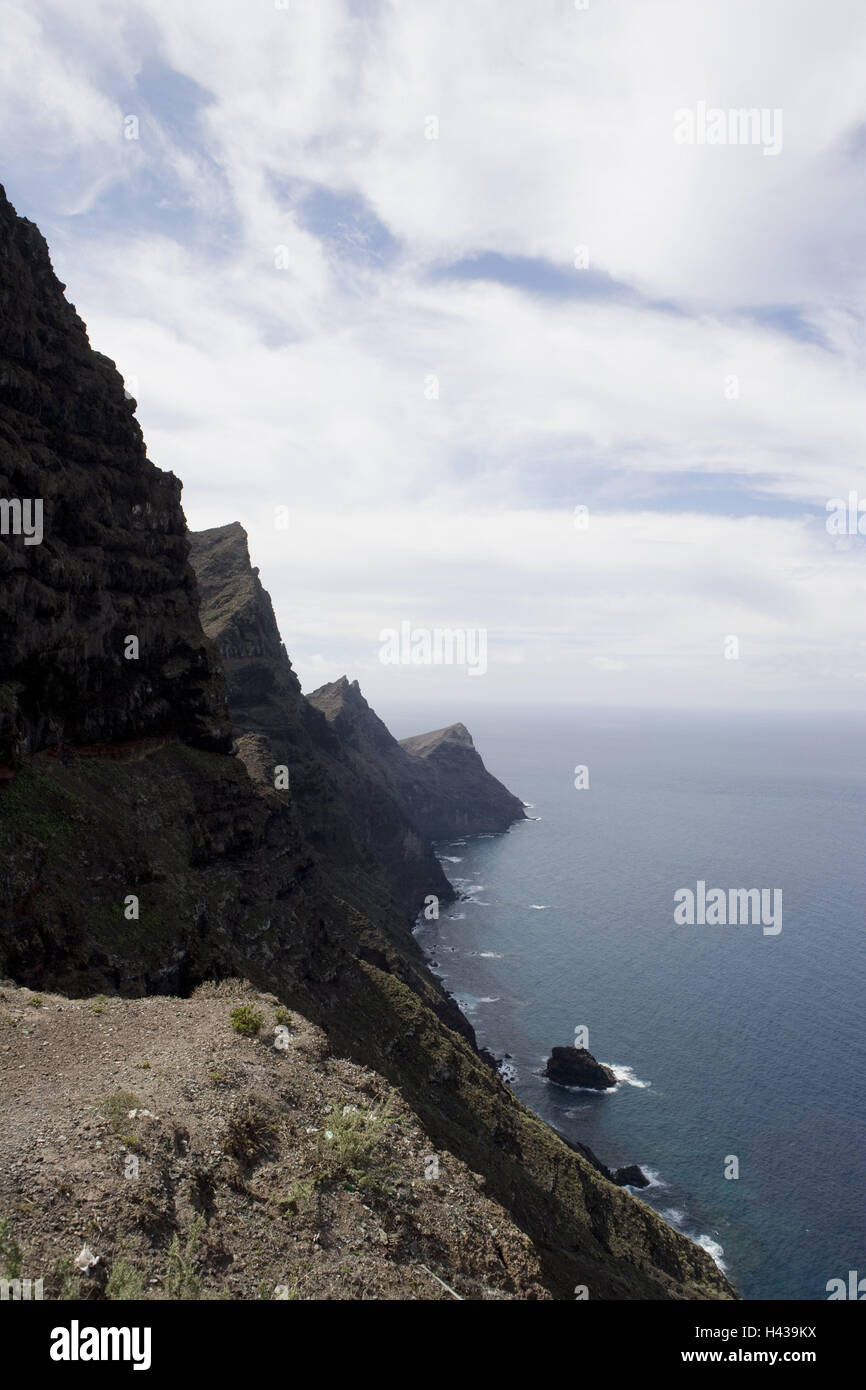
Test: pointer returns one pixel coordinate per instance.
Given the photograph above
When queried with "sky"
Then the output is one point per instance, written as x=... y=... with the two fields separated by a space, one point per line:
x=466 y=314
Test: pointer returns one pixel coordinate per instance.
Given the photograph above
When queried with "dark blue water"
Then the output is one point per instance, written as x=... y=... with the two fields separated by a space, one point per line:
x=747 y=1045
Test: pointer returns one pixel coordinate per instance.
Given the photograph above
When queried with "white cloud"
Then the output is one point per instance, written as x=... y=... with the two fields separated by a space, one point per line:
x=308 y=387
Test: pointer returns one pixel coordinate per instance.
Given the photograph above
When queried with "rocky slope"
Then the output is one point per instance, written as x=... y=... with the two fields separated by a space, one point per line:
x=136 y=856
x=190 y=1161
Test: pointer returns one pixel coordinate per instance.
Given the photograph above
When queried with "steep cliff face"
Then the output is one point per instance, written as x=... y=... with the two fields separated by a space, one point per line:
x=438 y=778
x=143 y=863
x=110 y=564
x=346 y=808
x=456 y=793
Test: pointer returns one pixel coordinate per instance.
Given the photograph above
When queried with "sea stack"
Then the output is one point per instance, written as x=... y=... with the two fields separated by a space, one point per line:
x=574 y=1066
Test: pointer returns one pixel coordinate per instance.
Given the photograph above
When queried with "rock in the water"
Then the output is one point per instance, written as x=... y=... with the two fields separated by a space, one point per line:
x=630 y=1176
x=574 y=1066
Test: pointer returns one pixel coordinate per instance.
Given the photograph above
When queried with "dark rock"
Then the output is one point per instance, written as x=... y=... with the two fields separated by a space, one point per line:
x=630 y=1176
x=341 y=797
x=439 y=779
x=112 y=562
x=449 y=790
x=574 y=1066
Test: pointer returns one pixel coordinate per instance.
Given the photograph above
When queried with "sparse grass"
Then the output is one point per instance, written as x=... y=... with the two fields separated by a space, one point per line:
x=116 y=1108
x=182 y=1278
x=36 y=1001
x=282 y=1015
x=11 y=1254
x=125 y=1281
x=69 y=1280
x=300 y=1191
x=246 y=1020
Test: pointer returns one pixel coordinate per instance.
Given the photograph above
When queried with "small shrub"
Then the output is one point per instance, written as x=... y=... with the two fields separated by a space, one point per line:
x=116 y=1108
x=251 y=1131
x=300 y=1191
x=282 y=1015
x=124 y=1281
x=347 y=1149
x=246 y=1020
x=182 y=1279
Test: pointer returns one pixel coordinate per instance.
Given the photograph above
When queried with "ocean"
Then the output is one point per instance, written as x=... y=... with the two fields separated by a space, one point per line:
x=731 y=1042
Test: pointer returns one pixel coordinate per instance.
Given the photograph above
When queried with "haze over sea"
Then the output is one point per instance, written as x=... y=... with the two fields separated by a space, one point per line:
x=732 y=1042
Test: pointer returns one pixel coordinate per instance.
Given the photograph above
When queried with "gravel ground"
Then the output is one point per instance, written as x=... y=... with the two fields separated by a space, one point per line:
x=149 y=1150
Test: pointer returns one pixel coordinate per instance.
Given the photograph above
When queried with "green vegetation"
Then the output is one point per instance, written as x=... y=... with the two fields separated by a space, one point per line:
x=282 y=1015
x=70 y=1282
x=11 y=1254
x=125 y=1281
x=182 y=1278
x=348 y=1149
x=300 y=1191
x=116 y=1108
x=246 y=1020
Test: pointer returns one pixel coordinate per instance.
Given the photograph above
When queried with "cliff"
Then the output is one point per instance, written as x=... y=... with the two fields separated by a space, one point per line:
x=454 y=792
x=438 y=778
x=111 y=561
x=345 y=806
x=138 y=857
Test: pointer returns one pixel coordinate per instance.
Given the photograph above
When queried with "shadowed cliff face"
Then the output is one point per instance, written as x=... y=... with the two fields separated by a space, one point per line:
x=112 y=562
x=229 y=875
x=438 y=778
x=346 y=808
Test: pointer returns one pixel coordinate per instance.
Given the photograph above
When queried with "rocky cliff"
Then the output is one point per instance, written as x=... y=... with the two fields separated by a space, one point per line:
x=99 y=631
x=137 y=856
x=344 y=803
x=438 y=778
x=454 y=792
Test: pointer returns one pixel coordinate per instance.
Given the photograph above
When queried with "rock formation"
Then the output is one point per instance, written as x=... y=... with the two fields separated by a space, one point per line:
x=630 y=1176
x=137 y=856
x=439 y=780
x=574 y=1066
x=452 y=791
x=348 y=809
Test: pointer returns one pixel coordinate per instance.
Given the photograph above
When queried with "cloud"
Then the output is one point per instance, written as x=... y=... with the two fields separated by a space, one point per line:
x=319 y=306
